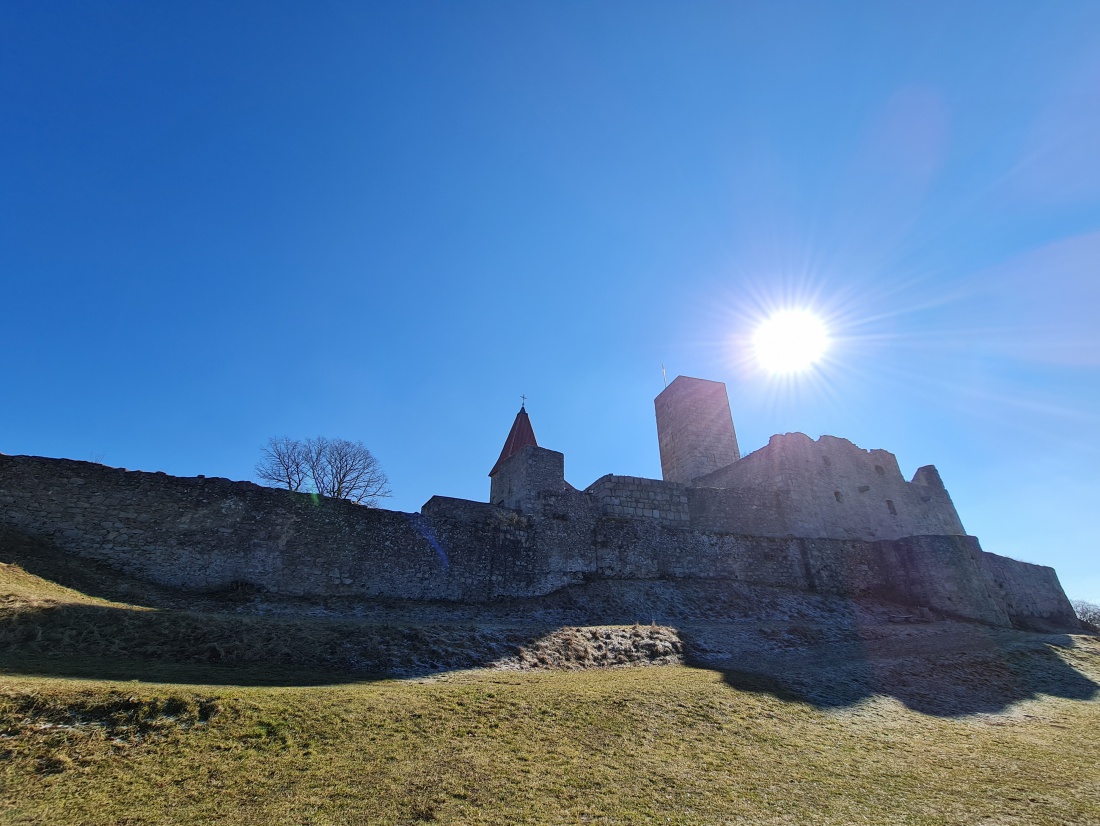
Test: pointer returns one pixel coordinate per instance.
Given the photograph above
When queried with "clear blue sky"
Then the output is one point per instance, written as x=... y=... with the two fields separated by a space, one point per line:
x=222 y=221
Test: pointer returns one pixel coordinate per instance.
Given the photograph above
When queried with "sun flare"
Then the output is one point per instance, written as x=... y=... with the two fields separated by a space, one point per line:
x=790 y=341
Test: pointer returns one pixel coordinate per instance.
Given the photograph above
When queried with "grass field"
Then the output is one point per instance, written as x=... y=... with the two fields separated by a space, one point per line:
x=241 y=740
x=636 y=745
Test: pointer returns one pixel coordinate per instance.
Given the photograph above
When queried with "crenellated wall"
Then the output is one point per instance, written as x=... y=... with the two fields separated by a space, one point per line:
x=201 y=534
x=796 y=486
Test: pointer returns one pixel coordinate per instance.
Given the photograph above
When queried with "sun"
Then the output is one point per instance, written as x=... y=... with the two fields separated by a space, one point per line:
x=790 y=341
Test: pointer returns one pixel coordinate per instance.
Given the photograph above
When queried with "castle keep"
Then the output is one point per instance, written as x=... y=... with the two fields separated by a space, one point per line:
x=820 y=516
x=828 y=489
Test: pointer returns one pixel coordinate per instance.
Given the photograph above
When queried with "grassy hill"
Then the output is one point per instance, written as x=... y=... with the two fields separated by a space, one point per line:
x=121 y=704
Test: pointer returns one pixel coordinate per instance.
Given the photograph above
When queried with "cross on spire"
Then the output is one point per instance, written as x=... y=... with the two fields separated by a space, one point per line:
x=523 y=401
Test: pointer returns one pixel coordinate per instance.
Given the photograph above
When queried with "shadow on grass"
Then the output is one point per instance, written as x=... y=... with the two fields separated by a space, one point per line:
x=988 y=674
x=956 y=670
x=832 y=663
x=120 y=669
x=119 y=643
x=42 y=559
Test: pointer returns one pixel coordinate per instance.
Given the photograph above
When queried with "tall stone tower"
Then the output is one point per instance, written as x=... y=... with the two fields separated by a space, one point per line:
x=695 y=429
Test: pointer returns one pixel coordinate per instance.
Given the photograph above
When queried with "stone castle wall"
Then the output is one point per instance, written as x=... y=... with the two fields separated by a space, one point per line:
x=826 y=488
x=1027 y=591
x=201 y=534
x=633 y=496
x=206 y=533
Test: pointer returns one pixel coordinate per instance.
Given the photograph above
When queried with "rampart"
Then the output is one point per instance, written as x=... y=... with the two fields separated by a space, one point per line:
x=207 y=533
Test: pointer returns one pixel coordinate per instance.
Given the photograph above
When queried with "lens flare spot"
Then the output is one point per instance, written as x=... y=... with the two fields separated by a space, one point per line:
x=790 y=341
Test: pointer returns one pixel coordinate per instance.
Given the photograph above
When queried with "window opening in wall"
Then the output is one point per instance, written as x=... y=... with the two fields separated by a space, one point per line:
x=828 y=462
x=880 y=470
x=839 y=496
x=864 y=488
x=890 y=507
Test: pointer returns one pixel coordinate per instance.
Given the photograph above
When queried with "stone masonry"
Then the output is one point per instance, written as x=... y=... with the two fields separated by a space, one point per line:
x=820 y=516
x=796 y=486
x=694 y=429
x=665 y=502
x=208 y=534
x=521 y=476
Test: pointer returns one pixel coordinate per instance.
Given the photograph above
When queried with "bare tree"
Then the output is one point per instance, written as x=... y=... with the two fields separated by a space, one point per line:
x=1088 y=612
x=283 y=462
x=336 y=468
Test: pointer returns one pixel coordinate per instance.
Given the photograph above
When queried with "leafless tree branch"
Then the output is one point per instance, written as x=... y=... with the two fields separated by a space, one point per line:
x=336 y=468
x=282 y=462
x=1087 y=611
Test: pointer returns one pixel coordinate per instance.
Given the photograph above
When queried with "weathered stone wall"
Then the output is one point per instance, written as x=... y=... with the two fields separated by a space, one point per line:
x=694 y=429
x=752 y=511
x=829 y=488
x=666 y=502
x=202 y=534
x=1032 y=594
x=524 y=475
x=206 y=533
x=943 y=573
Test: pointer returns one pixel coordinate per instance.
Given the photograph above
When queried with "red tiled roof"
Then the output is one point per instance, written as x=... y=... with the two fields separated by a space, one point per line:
x=519 y=436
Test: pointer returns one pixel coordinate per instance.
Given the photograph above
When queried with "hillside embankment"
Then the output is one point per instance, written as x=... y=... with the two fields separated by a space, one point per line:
x=68 y=616
x=616 y=702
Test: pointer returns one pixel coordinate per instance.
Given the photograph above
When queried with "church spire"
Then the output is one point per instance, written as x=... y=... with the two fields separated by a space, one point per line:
x=521 y=435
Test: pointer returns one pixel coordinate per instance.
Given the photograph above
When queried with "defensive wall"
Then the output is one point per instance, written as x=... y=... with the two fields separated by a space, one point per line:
x=824 y=488
x=208 y=533
x=795 y=486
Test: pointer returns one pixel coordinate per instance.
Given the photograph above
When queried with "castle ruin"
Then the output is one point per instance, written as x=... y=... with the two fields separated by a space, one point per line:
x=794 y=486
x=818 y=516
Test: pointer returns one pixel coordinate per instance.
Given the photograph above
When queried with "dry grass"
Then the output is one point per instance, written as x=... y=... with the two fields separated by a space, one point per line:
x=658 y=745
x=22 y=590
x=201 y=739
